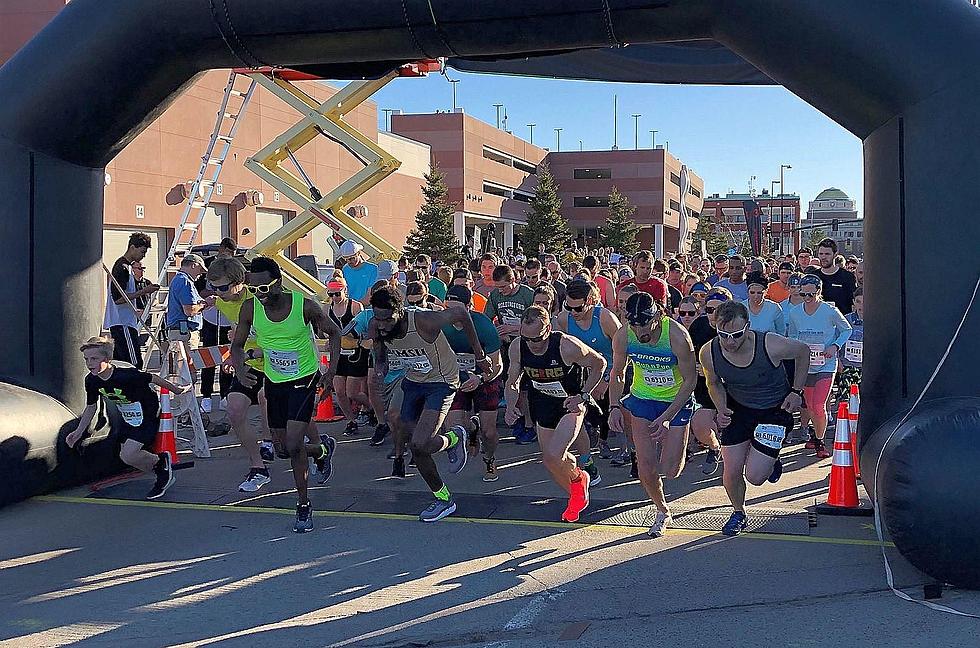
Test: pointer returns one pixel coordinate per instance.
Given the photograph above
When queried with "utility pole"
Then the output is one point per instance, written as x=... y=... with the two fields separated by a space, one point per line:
x=615 y=145
x=454 y=82
x=653 y=139
x=782 y=201
x=387 y=112
x=498 y=106
x=531 y=127
x=636 y=131
x=580 y=145
x=558 y=139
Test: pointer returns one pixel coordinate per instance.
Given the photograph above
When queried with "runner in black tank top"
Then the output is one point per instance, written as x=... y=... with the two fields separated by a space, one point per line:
x=754 y=402
x=552 y=364
x=350 y=384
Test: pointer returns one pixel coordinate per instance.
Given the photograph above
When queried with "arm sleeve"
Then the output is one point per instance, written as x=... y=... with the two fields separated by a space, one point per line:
x=780 y=320
x=491 y=310
x=181 y=291
x=791 y=329
x=120 y=271
x=489 y=337
x=842 y=326
x=91 y=393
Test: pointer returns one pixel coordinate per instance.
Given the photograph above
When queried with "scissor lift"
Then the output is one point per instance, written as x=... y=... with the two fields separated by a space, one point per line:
x=326 y=119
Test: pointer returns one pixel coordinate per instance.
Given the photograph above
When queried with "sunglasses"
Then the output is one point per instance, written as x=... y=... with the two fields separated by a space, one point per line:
x=415 y=302
x=710 y=309
x=334 y=294
x=264 y=289
x=640 y=321
x=687 y=313
x=576 y=309
x=733 y=336
x=540 y=338
x=808 y=294
x=222 y=288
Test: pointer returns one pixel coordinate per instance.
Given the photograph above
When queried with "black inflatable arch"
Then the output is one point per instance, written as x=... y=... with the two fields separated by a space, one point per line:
x=902 y=76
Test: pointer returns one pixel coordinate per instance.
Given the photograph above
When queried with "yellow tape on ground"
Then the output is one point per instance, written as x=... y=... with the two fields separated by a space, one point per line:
x=627 y=530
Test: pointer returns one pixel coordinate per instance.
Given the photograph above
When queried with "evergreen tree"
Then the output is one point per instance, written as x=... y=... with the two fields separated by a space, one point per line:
x=816 y=235
x=434 y=223
x=620 y=230
x=715 y=242
x=545 y=224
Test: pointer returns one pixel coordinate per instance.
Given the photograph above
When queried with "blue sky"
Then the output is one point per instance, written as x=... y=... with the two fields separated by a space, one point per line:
x=726 y=134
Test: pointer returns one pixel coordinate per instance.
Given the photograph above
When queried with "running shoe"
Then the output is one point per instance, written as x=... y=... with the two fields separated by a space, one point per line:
x=380 y=433
x=398 y=467
x=811 y=437
x=491 y=474
x=594 y=477
x=372 y=420
x=634 y=470
x=621 y=459
x=822 y=451
x=710 y=465
x=777 y=472
x=324 y=464
x=457 y=452
x=735 y=525
x=391 y=455
x=351 y=429
x=438 y=510
x=165 y=477
x=660 y=523
x=578 y=497
x=206 y=404
x=604 y=450
x=523 y=435
x=304 y=518
x=256 y=479
x=362 y=419
x=267 y=452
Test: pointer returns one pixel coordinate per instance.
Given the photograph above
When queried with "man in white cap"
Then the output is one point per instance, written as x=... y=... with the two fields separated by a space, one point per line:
x=359 y=274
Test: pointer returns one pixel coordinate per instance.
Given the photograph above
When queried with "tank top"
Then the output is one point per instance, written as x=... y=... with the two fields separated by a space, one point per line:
x=656 y=375
x=348 y=341
x=288 y=352
x=594 y=337
x=232 y=311
x=548 y=373
x=760 y=385
x=423 y=362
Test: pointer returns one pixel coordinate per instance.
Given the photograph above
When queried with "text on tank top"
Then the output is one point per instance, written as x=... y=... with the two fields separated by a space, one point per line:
x=548 y=373
x=288 y=349
x=656 y=375
x=760 y=385
x=424 y=362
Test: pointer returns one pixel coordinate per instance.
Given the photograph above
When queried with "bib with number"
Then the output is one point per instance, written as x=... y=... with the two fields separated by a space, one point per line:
x=411 y=360
x=348 y=352
x=466 y=362
x=817 y=358
x=658 y=378
x=510 y=321
x=132 y=413
x=554 y=389
x=283 y=362
x=770 y=436
x=854 y=350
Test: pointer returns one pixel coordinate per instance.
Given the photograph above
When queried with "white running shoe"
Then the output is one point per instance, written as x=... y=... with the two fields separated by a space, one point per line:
x=660 y=524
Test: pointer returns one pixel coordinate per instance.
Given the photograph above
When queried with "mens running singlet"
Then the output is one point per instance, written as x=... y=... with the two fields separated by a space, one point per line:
x=656 y=375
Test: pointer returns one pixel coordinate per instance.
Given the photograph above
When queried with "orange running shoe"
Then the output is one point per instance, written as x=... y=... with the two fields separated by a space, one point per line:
x=578 y=499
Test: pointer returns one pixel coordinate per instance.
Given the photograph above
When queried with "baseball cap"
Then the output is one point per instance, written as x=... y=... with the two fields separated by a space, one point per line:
x=700 y=287
x=350 y=248
x=639 y=309
x=192 y=258
x=795 y=279
x=756 y=278
x=786 y=265
x=460 y=294
x=387 y=269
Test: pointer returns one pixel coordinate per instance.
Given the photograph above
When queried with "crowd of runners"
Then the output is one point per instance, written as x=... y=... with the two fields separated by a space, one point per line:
x=641 y=362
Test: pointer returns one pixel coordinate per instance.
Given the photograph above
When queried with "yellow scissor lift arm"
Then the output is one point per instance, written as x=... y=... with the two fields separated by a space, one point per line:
x=327 y=119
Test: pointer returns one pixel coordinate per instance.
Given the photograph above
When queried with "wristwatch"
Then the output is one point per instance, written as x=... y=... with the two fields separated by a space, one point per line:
x=798 y=392
x=587 y=398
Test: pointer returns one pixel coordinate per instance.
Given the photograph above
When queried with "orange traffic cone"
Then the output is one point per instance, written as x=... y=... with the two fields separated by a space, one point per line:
x=166 y=440
x=853 y=410
x=843 y=497
x=325 y=412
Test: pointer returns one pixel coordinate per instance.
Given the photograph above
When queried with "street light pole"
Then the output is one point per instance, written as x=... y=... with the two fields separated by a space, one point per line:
x=531 y=127
x=558 y=139
x=498 y=106
x=653 y=139
x=772 y=197
x=454 y=82
x=636 y=131
x=782 y=201
x=580 y=145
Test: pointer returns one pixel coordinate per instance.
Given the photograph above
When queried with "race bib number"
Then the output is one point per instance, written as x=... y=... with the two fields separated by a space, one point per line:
x=770 y=436
x=411 y=360
x=663 y=378
x=510 y=321
x=817 y=358
x=347 y=353
x=854 y=351
x=554 y=389
x=132 y=413
x=466 y=362
x=285 y=363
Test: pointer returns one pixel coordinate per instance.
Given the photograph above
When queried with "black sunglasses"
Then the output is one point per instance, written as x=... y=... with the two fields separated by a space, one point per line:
x=710 y=309
x=639 y=321
x=687 y=313
x=334 y=294
x=222 y=288
x=577 y=309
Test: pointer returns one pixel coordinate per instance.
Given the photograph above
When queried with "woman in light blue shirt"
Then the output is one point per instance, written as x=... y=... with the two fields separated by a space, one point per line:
x=765 y=315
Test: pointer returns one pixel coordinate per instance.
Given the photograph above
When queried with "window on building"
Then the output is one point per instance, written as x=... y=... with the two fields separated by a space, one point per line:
x=523 y=196
x=591 y=201
x=676 y=179
x=523 y=165
x=496 y=190
x=592 y=174
x=676 y=206
x=497 y=156
x=694 y=192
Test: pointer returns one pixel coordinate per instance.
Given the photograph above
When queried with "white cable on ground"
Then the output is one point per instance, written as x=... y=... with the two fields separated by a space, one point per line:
x=888 y=570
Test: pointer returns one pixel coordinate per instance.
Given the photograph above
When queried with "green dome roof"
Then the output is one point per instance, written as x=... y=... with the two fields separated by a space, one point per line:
x=833 y=193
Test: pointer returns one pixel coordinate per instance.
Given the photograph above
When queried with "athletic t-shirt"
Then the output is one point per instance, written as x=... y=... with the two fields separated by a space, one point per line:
x=838 y=288
x=485 y=331
x=740 y=291
x=129 y=389
x=701 y=333
x=437 y=288
x=852 y=353
x=769 y=320
x=360 y=279
x=508 y=309
x=818 y=331
x=777 y=292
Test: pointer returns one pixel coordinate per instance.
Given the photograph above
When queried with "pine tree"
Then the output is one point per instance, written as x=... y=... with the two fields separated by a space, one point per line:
x=434 y=224
x=545 y=224
x=715 y=242
x=816 y=235
x=620 y=229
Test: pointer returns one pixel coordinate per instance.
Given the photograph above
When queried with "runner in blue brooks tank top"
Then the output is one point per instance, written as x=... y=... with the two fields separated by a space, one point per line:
x=585 y=319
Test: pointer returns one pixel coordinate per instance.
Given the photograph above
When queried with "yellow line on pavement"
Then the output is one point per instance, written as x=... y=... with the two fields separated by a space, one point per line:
x=619 y=529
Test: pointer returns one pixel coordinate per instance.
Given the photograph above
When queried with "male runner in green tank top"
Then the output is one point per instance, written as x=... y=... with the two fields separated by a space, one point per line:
x=414 y=340
x=284 y=323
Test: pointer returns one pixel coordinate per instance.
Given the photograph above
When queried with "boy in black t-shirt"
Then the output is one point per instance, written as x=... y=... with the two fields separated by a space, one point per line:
x=129 y=389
